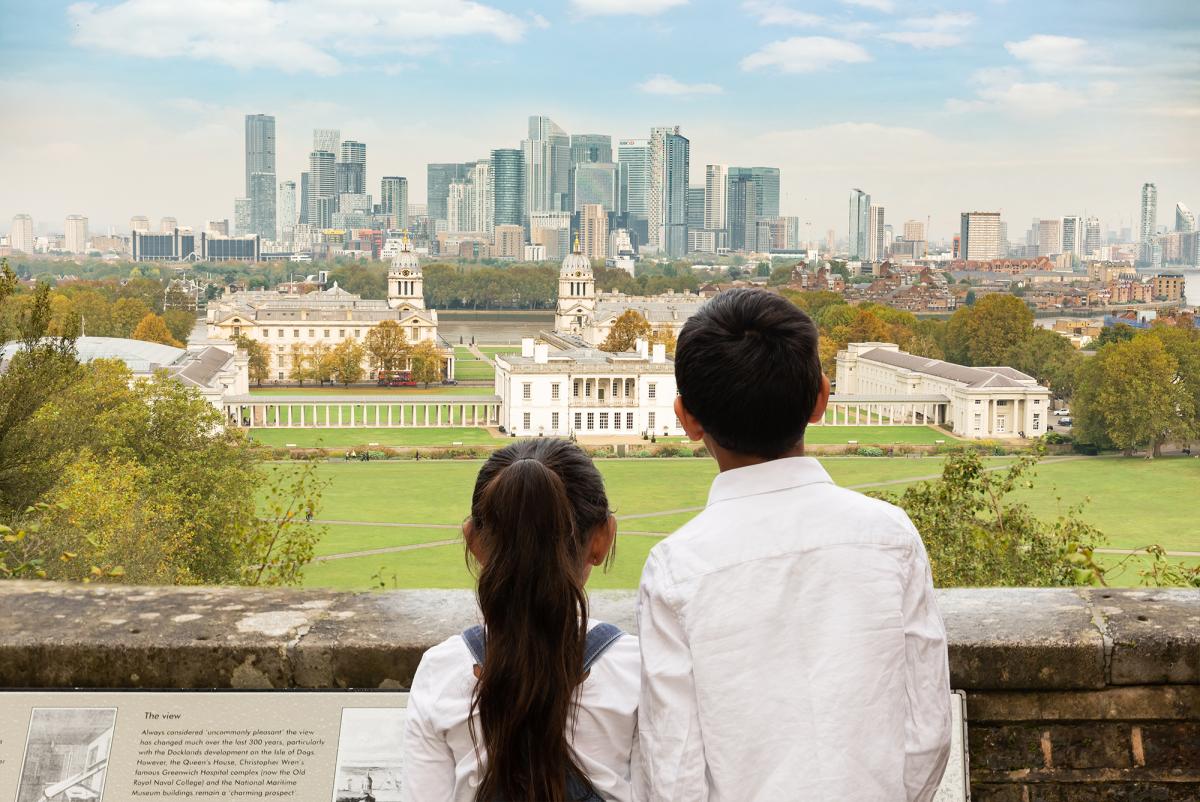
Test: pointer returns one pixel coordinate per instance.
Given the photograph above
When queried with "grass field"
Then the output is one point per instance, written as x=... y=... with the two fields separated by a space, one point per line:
x=1134 y=502
x=468 y=367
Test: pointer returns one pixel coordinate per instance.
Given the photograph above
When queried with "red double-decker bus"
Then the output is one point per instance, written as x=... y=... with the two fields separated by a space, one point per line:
x=395 y=378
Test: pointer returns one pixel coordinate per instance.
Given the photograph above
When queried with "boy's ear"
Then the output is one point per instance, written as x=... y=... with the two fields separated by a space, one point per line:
x=822 y=401
x=691 y=426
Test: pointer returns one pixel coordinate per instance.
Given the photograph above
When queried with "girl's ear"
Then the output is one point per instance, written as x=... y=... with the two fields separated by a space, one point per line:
x=472 y=541
x=602 y=540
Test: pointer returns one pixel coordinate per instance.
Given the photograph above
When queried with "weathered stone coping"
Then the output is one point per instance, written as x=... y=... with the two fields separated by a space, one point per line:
x=60 y=635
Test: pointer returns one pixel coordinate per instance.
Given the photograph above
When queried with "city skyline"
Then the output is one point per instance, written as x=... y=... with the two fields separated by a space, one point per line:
x=931 y=109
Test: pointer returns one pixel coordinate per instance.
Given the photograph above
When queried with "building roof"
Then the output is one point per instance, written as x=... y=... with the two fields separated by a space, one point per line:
x=980 y=378
x=657 y=309
x=196 y=368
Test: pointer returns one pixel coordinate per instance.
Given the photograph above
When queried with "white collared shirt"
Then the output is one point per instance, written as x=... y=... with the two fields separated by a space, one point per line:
x=791 y=648
x=440 y=760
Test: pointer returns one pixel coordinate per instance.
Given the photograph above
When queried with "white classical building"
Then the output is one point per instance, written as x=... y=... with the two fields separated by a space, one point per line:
x=329 y=317
x=560 y=391
x=991 y=402
x=583 y=312
x=216 y=371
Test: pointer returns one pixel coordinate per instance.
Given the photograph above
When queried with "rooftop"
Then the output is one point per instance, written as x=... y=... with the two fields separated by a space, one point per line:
x=970 y=377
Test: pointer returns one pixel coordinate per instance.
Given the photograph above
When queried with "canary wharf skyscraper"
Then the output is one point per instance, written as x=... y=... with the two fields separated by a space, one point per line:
x=260 y=173
x=508 y=187
x=860 y=211
x=1149 y=227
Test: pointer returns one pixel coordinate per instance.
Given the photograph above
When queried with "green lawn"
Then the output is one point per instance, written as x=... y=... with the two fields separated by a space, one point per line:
x=875 y=435
x=468 y=367
x=360 y=436
x=400 y=393
x=1134 y=502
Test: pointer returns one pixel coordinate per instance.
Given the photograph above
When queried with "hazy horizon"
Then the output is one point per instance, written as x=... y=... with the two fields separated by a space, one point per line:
x=1036 y=110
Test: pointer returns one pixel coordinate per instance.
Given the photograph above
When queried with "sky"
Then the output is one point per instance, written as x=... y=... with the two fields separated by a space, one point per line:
x=1036 y=108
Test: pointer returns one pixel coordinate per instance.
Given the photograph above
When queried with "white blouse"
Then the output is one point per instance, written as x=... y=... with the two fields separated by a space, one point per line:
x=440 y=761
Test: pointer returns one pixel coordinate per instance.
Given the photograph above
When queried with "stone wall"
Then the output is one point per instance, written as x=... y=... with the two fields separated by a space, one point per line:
x=1090 y=695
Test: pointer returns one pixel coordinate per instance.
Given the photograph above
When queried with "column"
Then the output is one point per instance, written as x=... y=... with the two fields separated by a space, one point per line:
x=352 y=406
x=339 y=417
x=289 y=409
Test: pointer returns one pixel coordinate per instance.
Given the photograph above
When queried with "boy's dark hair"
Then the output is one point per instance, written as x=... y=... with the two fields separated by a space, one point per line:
x=748 y=369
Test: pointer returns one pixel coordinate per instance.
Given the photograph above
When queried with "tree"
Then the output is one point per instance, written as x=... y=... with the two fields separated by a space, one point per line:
x=347 y=358
x=387 y=345
x=1127 y=396
x=626 y=330
x=780 y=276
x=426 y=362
x=983 y=334
x=1114 y=334
x=260 y=358
x=1184 y=347
x=301 y=363
x=665 y=336
x=1048 y=357
x=320 y=363
x=127 y=313
x=977 y=535
x=153 y=329
x=180 y=322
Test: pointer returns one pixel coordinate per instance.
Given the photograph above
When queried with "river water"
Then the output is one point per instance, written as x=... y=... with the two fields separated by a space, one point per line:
x=492 y=327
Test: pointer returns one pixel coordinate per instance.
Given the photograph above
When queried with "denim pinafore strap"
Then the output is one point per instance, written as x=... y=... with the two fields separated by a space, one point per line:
x=599 y=639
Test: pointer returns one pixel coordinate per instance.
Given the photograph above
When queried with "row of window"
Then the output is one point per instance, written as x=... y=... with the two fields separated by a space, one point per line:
x=586 y=387
x=237 y=330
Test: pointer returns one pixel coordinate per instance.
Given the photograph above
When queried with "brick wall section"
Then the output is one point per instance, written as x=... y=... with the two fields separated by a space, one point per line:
x=1072 y=695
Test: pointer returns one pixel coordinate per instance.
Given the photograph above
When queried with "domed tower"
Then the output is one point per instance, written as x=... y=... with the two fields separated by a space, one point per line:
x=405 y=283
x=576 y=294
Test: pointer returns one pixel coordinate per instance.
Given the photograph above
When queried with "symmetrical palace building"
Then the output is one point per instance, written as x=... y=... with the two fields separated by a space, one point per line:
x=329 y=317
x=992 y=402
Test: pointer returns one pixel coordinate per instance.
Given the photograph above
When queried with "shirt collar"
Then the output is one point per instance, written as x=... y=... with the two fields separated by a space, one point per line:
x=766 y=477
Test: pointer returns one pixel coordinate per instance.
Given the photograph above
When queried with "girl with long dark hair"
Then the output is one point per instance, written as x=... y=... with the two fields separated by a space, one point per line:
x=540 y=702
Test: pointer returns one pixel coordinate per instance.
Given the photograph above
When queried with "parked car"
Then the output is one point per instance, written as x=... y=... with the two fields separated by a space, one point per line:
x=1065 y=422
x=1063 y=413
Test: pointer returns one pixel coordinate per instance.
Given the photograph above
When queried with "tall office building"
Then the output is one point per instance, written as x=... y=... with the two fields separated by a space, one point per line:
x=262 y=205
x=20 y=236
x=75 y=234
x=655 y=191
x=742 y=213
x=304 y=198
x=1050 y=237
x=483 y=201
x=716 y=178
x=766 y=188
x=352 y=168
x=139 y=223
x=1184 y=219
x=393 y=200
x=591 y=148
x=1149 y=224
x=979 y=236
x=633 y=193
x=675 y=172
x=508 y=187
x=260 y=146
x=322 y=188
x=860 y=206
x=439 y=177
x=551 y=230
x=594 y=182
x=167 y=225
x=876 y=248
x=242 y=216
x=914 y=230
x=1072 y=235
x=547 y=166
x=593 y=231
x=327 y=139
x=285 y=221
x=695 y=208
x=459 y=208
x=1092 y=239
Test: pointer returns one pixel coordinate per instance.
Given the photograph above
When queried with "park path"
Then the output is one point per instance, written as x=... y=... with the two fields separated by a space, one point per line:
x=636 y=516
x=474 y=349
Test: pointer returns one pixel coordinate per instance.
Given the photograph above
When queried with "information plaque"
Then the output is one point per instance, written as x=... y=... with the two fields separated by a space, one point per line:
x=200 y=746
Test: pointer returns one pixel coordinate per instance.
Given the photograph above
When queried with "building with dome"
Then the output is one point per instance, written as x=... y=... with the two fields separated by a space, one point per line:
x=328 y=317
x=588 y=315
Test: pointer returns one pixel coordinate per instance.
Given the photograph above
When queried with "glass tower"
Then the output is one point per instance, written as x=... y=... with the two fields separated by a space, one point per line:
x=508 y=187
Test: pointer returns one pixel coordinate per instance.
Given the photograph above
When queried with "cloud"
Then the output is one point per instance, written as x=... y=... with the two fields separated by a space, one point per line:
x=1046 y=53
x=294 y=36
x=666 y=85
x=538 y=20
x=641 y=8
x=886 y=6
x=940 y=30
x=1006 y=89
x=769 y=13
x=805 y=54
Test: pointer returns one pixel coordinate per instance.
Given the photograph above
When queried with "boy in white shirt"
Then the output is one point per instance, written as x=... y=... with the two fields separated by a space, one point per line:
x=791 y=645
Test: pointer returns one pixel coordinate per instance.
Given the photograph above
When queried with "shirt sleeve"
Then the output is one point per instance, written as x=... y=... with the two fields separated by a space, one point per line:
x=428 y=760
x=927 y=682
x=670 y=763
